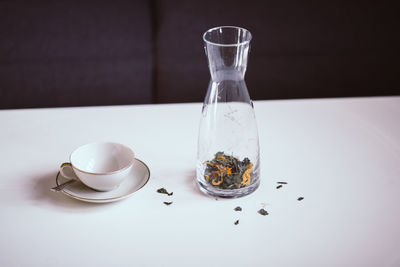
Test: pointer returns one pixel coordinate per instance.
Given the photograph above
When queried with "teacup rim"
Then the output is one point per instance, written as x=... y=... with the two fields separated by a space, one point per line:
x=132 y=159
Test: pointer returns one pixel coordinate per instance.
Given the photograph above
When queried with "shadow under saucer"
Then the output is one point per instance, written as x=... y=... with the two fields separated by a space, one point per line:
x=40 y=195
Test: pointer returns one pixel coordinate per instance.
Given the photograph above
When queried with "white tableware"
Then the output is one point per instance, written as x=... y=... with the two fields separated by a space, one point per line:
x=137 y=177
x=100 y=166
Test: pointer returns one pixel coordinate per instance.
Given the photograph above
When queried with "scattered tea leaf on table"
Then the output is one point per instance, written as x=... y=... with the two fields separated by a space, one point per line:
x=300 y=198
x=279 y=186
x=167 y=203
x=263 y=212
x=238 y=208
x=236 y=222
x=281 y=182
x=164 y=191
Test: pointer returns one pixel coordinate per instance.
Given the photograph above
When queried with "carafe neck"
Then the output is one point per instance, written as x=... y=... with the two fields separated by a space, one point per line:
x=227 y=49
x=227 y=62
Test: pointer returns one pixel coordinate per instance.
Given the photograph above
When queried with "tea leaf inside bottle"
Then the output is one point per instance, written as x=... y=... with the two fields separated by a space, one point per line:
x=228 y=172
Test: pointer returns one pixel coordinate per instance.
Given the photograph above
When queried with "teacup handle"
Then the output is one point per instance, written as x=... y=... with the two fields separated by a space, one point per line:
x=66 y=175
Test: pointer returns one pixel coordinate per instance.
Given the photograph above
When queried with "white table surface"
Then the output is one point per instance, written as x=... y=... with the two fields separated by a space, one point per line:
x=341 y=155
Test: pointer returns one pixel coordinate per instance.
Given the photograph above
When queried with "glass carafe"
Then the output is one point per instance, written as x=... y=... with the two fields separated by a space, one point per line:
x=228 y=161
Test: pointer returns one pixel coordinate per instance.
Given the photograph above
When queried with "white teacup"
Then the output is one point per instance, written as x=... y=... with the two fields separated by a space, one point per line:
x=100 y=166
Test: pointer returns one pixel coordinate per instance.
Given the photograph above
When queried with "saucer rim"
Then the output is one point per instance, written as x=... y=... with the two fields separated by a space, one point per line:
x=100 y=200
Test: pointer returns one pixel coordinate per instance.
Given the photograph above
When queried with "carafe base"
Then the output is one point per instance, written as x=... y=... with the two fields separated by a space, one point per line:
x=230 y=193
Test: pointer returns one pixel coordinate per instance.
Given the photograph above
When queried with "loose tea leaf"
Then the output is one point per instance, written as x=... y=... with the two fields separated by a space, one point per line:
x=263 y=212
x=300 y=198
x=279 y=186
x=236 y=222
x=164 y=191
x=238 y=208
x=228 y=172
x=281 y=183
x=167 y=203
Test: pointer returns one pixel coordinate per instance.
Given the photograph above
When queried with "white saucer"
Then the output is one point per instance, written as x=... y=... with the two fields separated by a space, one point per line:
x=137 y=178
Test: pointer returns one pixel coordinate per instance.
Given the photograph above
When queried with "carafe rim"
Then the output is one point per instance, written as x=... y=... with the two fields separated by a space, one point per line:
x=245 y=42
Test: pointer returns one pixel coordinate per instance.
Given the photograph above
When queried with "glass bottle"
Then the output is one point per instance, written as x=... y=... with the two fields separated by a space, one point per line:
x=228 y=161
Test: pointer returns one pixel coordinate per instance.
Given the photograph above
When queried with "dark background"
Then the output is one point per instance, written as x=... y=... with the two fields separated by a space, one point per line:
x=70 y=53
